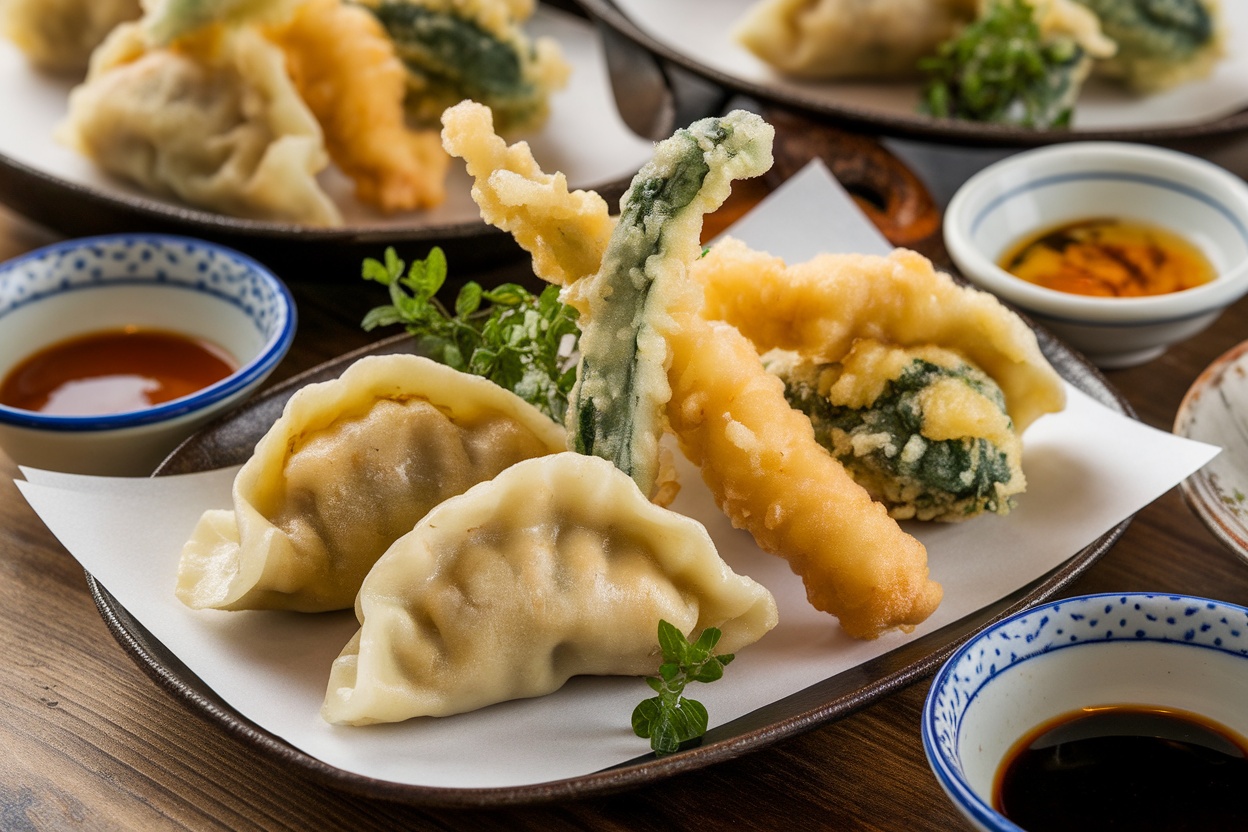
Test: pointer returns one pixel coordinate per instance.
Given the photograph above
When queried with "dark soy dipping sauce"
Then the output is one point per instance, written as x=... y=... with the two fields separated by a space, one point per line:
x=1126 y=767
x=114 y=371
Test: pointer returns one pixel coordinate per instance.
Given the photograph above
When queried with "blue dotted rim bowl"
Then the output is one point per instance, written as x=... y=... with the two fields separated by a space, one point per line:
x=1061 y=633
x=153 y=259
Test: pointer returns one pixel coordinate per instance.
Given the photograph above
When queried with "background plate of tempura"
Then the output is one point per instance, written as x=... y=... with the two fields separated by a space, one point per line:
x=51 y=183
x=866 y=91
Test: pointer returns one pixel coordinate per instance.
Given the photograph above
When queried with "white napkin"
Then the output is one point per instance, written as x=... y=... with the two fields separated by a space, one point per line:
x=1088 y=468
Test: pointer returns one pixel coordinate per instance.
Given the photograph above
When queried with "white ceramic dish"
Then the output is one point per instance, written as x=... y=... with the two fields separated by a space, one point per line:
x=1041 y=189
x=1164 y=651
x=175 y=284
x=1215 y=410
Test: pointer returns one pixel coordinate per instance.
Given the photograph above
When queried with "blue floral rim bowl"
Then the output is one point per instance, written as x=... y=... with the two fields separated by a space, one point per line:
x=1169 y=652
x=177 y=284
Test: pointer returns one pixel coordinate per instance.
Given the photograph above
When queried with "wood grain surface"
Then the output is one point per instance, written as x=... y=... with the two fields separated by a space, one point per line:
x=87 y=741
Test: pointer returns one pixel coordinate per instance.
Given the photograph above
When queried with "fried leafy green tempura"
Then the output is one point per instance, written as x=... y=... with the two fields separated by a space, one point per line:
x=473 y=50
x=925 y=432
x=616 y=410
x=1161 y=43
x=864 y=328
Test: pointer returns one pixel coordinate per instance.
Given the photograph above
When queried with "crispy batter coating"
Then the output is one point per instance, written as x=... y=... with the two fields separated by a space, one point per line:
x=924 y=431
x=758 y=455
x=346 y=70
x=768 y=474
x=821 y=307
x=565 y=231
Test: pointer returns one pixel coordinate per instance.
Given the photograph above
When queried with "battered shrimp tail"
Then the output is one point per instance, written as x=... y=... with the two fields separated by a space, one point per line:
x=760 y=459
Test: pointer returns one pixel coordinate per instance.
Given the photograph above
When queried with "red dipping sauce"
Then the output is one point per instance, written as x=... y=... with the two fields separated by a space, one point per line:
x=114 y=371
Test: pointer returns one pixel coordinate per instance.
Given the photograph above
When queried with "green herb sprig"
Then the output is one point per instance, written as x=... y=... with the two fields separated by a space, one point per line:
x=526 y=343
x=1001 y=68
x=670 y=719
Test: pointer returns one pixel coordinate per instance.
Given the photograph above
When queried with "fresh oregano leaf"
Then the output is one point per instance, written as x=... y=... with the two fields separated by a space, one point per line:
x=672 y=719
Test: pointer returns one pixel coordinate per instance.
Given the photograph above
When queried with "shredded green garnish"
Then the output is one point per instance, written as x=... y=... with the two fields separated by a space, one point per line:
x=1001 y=68
x=670 y=719
x=526 y=343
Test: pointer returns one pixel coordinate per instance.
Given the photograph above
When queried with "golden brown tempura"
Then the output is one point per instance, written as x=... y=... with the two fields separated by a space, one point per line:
x=758 y=456
x=821 y=307
x=769 y=475
x=565 y=231
x=346 y=70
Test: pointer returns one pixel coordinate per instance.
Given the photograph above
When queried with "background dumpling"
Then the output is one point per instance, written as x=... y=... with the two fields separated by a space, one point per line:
x=350 y=466
x=825 y=39
x=217 y=124
x=557 y=567
x=59 y=35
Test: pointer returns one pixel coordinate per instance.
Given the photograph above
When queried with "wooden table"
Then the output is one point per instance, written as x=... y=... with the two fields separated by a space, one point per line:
x=87 y=741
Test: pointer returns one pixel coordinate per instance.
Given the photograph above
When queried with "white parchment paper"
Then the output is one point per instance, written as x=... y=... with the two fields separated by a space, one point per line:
x=1088 y=468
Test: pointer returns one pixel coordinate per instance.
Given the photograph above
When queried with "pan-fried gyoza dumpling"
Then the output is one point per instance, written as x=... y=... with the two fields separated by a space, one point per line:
x=825 y=39
x=349 y=467
x=557 y=567
x=216 y=123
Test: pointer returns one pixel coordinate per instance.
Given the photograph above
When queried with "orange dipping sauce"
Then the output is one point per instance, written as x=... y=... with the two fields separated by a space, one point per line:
x=114 y=371
x=1109 y=258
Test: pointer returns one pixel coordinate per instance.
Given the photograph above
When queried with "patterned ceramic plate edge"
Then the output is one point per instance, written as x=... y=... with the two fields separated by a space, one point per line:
x=1215 y=410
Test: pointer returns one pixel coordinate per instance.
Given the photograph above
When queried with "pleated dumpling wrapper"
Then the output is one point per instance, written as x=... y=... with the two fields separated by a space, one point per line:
x=350 y=467
x=557 y=567
x=220 y=126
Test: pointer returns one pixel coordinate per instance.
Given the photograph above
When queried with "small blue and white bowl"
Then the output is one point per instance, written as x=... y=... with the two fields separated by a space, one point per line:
x=1158 y=651
x=1038 y=190
x=178 y=284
